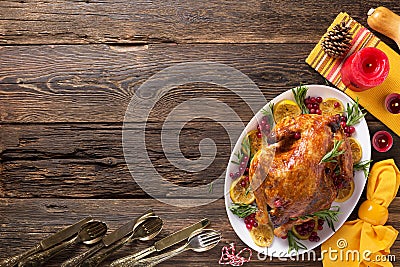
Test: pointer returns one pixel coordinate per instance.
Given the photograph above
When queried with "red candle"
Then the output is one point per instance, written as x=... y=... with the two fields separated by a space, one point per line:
x=382 y=141
x=392 y=103
x=365 y=69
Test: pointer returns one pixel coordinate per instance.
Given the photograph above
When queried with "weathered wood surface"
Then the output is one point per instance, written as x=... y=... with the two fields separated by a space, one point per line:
x=124 y=21
x=68 y=70
x=86 y=160
x=27 y=221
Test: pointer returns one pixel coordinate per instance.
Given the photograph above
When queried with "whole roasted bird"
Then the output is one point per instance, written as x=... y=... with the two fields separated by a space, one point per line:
x=288 y=176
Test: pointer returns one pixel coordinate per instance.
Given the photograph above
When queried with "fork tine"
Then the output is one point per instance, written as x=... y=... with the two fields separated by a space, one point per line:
x=213 y=240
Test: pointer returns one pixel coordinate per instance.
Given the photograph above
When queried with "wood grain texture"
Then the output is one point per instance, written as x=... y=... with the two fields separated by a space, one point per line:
x=95 y=83
x=86 y=160
x=124 y=21
x=51 y=215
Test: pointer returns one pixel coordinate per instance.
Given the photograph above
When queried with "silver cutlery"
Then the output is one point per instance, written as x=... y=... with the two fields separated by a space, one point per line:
x=46 y=243
x=90 y=233
x=199 y=241
x=164 y=243
x=145 y=229
x=108 y=240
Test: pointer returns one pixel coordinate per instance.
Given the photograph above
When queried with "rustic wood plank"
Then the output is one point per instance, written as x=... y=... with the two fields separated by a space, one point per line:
x=95 y=83
x=86 y=160
x=26 y=221
x=124 y=21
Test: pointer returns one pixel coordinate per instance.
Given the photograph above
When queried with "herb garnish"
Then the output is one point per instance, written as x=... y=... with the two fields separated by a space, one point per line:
x=363 y=166
x=294 y=244
x=299 y=94
x=242 y=210
x=329 y=215
x=331 y=155
x=354 y=114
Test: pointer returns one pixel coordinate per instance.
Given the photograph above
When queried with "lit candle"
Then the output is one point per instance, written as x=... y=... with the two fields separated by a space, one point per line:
x=392 y=103
x=365 y=69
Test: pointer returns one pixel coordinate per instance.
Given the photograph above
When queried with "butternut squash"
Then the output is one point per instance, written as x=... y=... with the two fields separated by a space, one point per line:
x=385 y=21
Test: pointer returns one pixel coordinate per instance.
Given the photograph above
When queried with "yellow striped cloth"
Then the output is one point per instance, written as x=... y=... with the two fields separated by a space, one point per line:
x=373 y=99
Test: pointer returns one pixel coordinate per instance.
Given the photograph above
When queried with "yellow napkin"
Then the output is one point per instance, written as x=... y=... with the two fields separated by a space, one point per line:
x=367 y=237
x=373 y=99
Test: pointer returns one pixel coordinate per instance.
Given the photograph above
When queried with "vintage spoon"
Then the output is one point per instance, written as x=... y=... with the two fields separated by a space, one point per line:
x=90 y=233
x=199 y=241
x=143 y=230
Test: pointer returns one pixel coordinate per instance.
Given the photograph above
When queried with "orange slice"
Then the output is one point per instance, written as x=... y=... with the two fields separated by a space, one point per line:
x=240 y=194
x=331 y=106
x=262 y=235
x=356 y=150
x=286 y=108
x=346 y=192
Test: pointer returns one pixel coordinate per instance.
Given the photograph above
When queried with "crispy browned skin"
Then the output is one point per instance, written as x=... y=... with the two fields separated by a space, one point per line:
x=295 y=183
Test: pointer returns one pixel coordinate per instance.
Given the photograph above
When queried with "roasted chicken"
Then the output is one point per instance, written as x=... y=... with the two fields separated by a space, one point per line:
x=287 y=175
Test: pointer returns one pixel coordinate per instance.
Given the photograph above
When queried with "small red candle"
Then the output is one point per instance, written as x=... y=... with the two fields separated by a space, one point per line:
x=365 y=69
x=392 y=103
x=382 y=141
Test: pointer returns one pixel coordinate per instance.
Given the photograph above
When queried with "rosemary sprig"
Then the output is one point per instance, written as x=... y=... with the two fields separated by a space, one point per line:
x=294 y=243
x=331 y=155
x=242 y=210
x=363 y=166
x=329 y=215
x=248 y=189
x=354 y=114
x=299 y=94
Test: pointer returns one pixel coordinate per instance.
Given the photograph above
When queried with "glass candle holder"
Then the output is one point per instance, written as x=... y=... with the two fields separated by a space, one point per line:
x=392 y=103
x=365 y=69
x=382 y=141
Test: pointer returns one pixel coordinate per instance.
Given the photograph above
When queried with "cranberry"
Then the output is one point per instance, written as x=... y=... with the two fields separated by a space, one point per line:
x=336 y=105
x=314 y=233
x=297 y=136
x=246 y=220
x=231 y=175
x=253 y=215
x=247 y=179
x=245 y=158
x=249 y=226
x=243 y=183
x=348 y=134
x=278 y=203
x=337 y=116
x=320 y=221
x=315 y=106
x=241 y=169
x=309 y=106
x=237 y=174
x=247 y=170
x=313 y=100
x=311 y=238
x=319 y=99
x=267 y=127
x=259 y=134
x=343 y=118
x=319 y=112
x=284 y=237
x=343 y=124
x=312 y=224
x=352 y=129
x=307 y=100
x=312 y=111
x=320 y=227
x=346 y=129
x=255 y=224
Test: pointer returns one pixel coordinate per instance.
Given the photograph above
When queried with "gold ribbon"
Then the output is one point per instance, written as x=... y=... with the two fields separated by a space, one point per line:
x=367 y=241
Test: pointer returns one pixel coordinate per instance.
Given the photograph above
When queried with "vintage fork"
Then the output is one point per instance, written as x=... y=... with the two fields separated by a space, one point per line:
x=201 y=240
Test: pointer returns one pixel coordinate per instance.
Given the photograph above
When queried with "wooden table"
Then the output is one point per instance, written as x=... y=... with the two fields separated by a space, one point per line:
x=68 y=70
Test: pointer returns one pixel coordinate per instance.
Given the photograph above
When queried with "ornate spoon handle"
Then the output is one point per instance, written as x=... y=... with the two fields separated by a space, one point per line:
x=103 y=254
x=12 y=261
x=77 y=261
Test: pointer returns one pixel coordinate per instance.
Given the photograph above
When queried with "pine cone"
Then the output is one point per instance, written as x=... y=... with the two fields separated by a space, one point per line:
x=337 y=41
